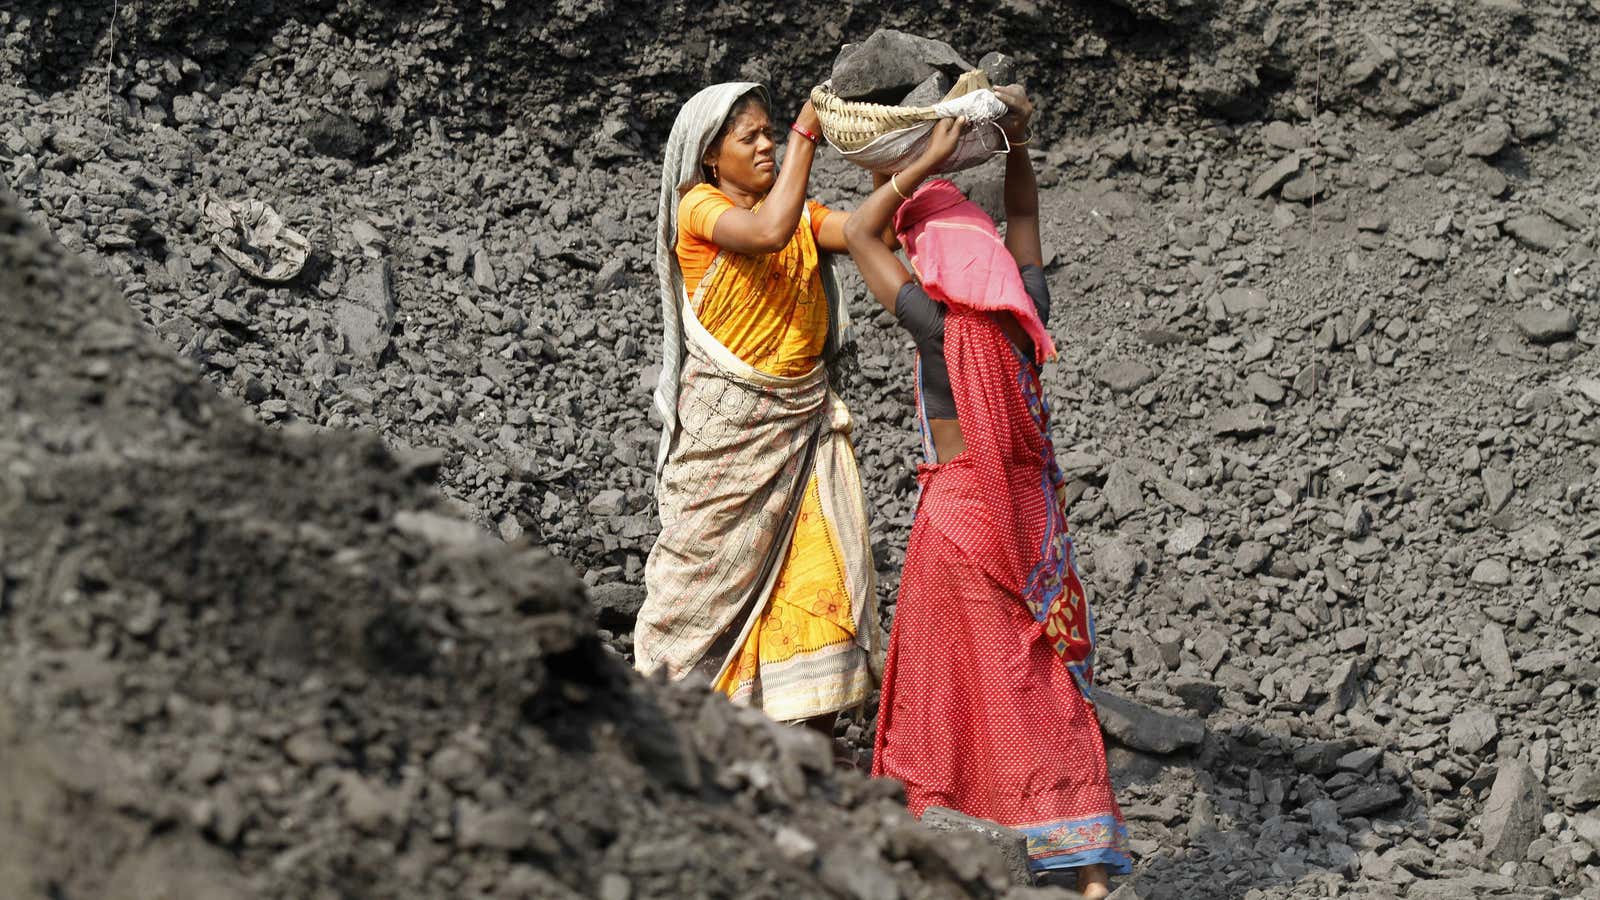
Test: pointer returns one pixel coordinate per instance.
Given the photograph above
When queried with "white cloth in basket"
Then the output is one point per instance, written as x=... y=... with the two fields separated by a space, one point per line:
x=894 y=150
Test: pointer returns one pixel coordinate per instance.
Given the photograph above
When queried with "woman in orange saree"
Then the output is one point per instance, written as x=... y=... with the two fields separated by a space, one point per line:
x=761 y=579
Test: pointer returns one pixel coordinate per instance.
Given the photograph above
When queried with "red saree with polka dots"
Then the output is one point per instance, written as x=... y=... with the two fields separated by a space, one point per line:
x=986 y=705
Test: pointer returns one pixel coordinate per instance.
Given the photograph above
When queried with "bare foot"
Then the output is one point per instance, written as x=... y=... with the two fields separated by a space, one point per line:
x=1092 y=883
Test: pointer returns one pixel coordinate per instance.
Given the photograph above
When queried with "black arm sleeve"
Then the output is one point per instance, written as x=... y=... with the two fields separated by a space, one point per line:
x=1038 y=291
x=919 y=314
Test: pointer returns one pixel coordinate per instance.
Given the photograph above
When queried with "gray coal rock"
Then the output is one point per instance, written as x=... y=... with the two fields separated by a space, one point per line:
x=333 y=134
x=1543 y=325
x=617 y=604
x=1000 y=68
x=1513 y=812
x=1537 y=231
x=349 y=615
x=890 y=63
x=930 y=91
x=366 y=312
x=1143 y=728
x=1012 y=845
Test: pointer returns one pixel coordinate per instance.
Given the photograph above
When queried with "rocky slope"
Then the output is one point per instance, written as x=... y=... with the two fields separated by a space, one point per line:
x=1325 y=284
x=248 y=662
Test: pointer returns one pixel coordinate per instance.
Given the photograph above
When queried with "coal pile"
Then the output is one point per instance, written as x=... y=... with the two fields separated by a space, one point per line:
x=1327 y=301
x=250 y=662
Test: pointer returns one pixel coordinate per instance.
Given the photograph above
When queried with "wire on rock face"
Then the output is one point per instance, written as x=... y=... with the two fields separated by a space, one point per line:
x=111 y=58
x=1316 y=100
x=114 y=115
x=1323 y=31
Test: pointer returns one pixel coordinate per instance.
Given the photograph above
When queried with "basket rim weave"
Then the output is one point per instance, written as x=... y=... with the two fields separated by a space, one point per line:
x=852 y=124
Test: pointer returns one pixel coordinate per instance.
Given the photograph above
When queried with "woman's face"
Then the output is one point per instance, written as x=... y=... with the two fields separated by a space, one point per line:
x=746 y=157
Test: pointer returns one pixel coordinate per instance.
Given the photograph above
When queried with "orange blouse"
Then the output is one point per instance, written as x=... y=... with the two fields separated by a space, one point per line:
x=769 y=310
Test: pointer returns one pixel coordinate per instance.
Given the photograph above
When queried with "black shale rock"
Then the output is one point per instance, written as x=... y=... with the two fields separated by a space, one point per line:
x=887 y=65
x=366 y=312
x=333 y=134
x=1513 y=813
x=1142 y=728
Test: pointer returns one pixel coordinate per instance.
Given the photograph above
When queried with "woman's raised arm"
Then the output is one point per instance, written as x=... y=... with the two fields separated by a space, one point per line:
x=1022 y=188
x=768 y=229
x=881 y=269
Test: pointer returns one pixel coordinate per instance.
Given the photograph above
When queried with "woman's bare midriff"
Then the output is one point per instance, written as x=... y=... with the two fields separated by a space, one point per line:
x=947 y=440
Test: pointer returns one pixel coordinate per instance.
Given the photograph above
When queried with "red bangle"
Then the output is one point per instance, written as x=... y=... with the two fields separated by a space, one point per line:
x=813 y=138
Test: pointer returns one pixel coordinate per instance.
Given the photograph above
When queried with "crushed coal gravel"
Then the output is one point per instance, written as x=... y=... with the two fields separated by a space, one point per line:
x=324 y=588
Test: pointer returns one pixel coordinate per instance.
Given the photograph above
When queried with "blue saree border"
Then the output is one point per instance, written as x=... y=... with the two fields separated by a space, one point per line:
x=1070 y=843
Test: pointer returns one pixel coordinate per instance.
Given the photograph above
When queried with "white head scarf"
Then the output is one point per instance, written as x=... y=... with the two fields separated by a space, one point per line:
x=698 y=122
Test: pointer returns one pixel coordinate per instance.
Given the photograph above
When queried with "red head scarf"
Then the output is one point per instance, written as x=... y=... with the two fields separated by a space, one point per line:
x=961 y=260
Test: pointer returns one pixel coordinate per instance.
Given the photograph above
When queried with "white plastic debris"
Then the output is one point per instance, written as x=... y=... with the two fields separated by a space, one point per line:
x=253 y=237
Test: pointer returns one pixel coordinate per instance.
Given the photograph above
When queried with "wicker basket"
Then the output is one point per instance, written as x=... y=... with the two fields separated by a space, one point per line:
x=850 y=125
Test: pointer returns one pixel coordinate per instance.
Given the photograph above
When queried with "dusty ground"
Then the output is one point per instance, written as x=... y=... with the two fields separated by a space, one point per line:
x=1326 y=291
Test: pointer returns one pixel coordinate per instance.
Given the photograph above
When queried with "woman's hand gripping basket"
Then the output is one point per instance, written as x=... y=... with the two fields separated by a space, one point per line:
x=886 y=138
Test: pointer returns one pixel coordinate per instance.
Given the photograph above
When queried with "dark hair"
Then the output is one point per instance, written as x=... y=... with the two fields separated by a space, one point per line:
x=746 y=100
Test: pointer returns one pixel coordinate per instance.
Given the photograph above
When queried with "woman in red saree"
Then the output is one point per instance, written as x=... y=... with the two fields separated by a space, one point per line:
x=987 y=703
